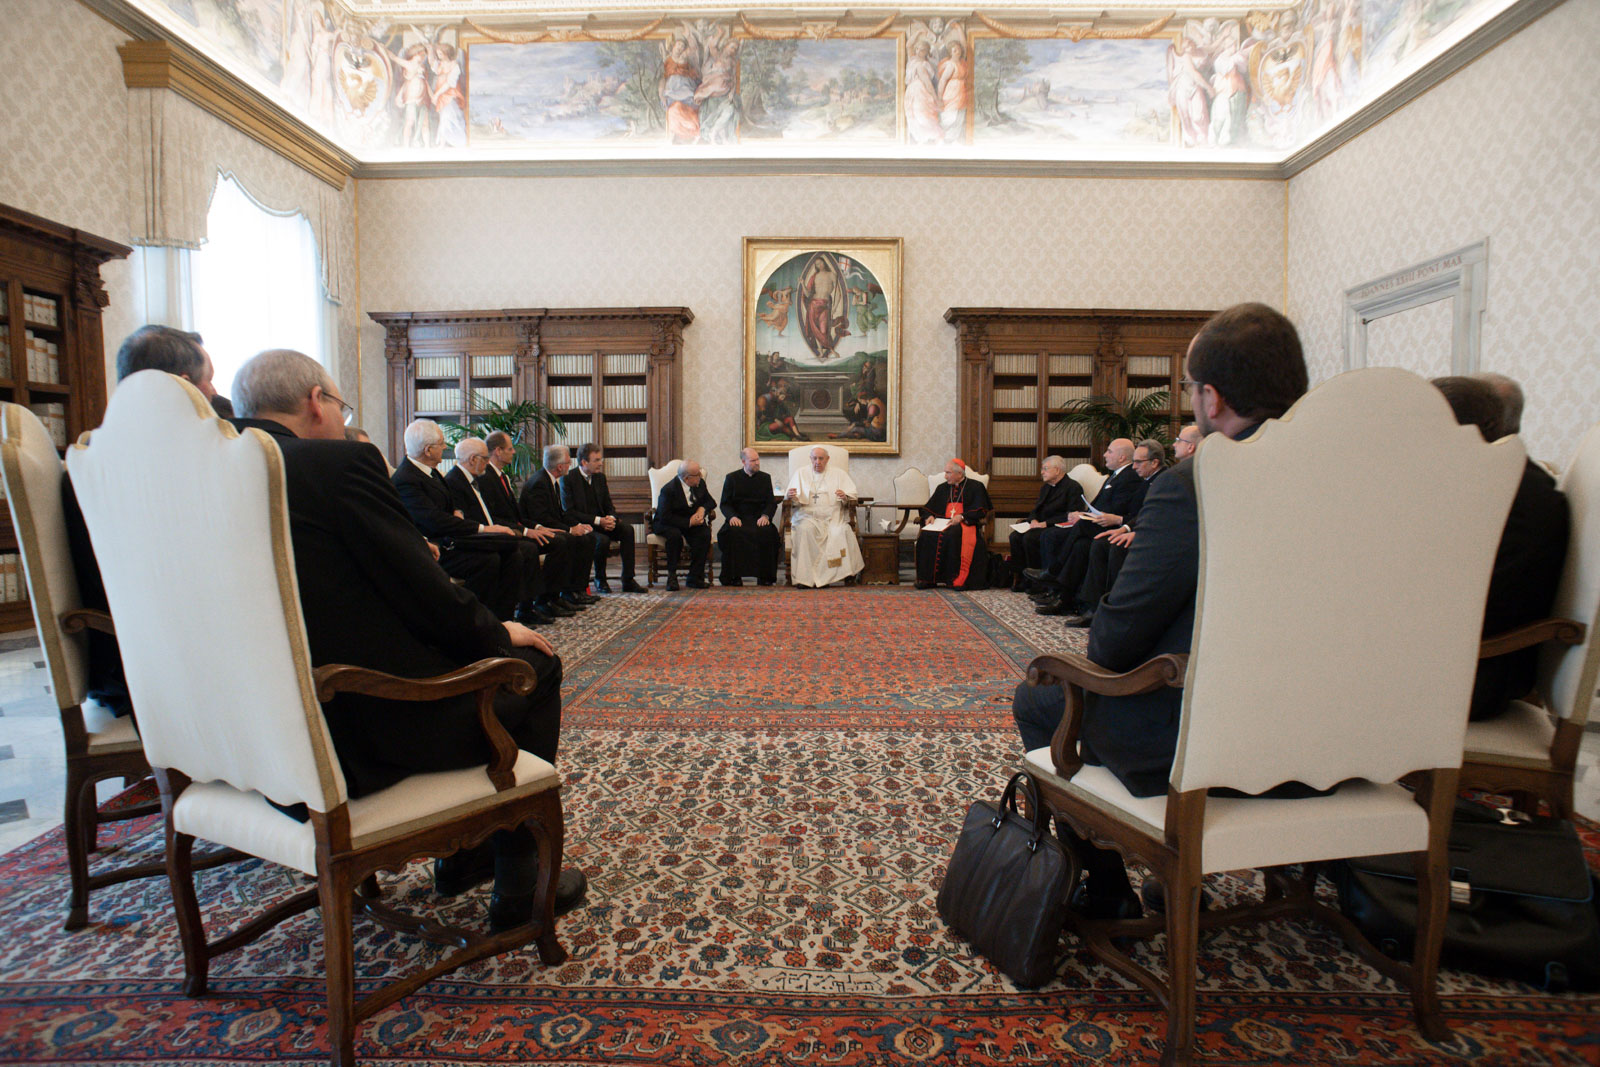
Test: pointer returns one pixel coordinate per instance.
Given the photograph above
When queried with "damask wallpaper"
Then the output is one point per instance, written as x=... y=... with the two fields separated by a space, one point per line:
x=1018 y=242
x=1507 y=148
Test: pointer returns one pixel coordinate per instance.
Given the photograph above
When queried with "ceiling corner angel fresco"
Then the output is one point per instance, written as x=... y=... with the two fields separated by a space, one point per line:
x=1267 y=80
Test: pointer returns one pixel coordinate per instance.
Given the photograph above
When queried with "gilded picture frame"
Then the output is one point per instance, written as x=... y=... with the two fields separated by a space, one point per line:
x=822 y=337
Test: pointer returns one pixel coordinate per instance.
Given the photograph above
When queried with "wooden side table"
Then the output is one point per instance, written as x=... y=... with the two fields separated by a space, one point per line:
x=881 y=553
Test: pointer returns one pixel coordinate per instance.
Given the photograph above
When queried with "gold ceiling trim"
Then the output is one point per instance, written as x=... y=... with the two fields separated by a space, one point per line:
x=163 y=65
x=1076 y=33
x=819 y=31
x=566 y=34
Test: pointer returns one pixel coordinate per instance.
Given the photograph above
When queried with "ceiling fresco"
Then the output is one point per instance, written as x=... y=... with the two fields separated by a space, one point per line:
x=996 y=83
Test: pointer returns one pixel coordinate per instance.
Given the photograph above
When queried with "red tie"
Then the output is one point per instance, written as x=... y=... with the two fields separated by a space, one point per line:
x=505 y=482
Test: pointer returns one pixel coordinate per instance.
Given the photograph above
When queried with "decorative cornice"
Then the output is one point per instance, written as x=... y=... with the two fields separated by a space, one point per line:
x=164 y=65
x=814 y=167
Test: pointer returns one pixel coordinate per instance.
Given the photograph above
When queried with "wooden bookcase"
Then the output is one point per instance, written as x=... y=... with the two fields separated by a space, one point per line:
x=52 y=349
x=612 y=374
x=1019 y=367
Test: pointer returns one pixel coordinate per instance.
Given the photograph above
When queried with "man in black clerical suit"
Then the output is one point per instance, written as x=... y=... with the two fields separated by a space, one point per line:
x=1059 y=496
x=163 y=348
x=540 y=505
x=748 y=538
x=372 y=596
x=1245 y=366
x=491 y=567
x=1065 y=552
x=684 y=510
x=1529 y=561
x=587 y=500
x=467 y=480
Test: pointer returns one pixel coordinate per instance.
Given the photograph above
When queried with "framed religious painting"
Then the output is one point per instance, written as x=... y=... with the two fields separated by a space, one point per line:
x=822 y=343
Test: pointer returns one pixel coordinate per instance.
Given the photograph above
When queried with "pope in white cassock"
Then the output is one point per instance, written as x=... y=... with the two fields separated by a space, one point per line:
x=824 y=549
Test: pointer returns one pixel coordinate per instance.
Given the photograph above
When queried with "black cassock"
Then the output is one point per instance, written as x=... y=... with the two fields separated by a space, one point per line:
x=958 y=555
x=748 y=550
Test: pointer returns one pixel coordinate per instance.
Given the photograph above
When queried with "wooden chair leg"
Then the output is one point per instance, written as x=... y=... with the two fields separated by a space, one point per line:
x=548 y=834
x=1183 y=936
x=1436 y=794
x=77 y=854
x=191 y=928
x=334 y=897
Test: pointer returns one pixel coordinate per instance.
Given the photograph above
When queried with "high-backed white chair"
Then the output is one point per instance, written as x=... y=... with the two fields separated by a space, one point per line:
x=911 y=490
x=800 y=459
x=1321 y=654
x=1088 y=478
x=1533 y=750
x=198 y=518
x=99 y=745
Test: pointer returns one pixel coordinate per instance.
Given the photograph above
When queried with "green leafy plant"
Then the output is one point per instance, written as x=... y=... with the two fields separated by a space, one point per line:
x=1103 y=418
x=522 y=421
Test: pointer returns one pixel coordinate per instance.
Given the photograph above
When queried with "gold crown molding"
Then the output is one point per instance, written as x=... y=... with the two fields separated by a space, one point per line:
x=819 y=168
x=164 y=65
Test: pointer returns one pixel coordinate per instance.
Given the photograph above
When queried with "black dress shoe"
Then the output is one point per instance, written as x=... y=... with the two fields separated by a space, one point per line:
x=767 y=581
x=672 y=584
x=454 y=875
x=532 y=617
x=1052 y=607
x=1080 y=620
x=571 y=602
x=555 y=609
x=1035 y=574
x=1154 y=896
x=631 y=586
x=696 y=583
x=509 y=912
x=602 y=586
x=734 y=582
x=583 y=597
x=1090 y=905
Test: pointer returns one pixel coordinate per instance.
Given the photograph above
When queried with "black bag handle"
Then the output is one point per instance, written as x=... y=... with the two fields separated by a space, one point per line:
x=1008 y=805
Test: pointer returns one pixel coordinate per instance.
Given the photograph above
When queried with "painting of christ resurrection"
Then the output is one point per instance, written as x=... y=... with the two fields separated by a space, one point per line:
x=822 y=343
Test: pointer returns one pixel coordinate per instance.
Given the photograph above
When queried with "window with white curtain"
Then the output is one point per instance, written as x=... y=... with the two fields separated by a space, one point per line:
x=255 y=282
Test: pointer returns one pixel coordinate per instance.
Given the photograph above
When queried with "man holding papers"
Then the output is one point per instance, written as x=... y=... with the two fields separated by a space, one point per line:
x=951 y=547
x=1058 y=497
x=1064 y=548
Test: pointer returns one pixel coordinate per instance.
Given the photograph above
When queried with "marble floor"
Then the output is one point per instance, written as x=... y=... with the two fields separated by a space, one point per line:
x=33 y=763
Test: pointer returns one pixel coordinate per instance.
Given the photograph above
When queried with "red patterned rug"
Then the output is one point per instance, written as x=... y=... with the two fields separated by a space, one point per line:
x=763 y=788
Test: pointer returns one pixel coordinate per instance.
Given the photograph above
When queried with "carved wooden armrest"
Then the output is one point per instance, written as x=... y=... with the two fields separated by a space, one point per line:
x=1076 y=674
x=906 y=511
x=81 y=619
x=1564 y=631
x=484 y=677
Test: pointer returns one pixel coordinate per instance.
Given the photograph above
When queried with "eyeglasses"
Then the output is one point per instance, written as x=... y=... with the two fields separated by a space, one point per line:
x=346 y=412
x=1189 y=383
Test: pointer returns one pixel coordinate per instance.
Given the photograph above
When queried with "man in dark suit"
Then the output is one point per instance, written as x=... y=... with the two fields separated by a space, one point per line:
x=1110 y=548
x=490 y=566
x=684 y=510
x=748 y=538
x=587 y=499
x=540 y=505
x=555 y=551
x=1149 y=458
x=467 y=480
x=1245 y=366
x=372 y=596
x=1059 y=496
x=1064 y=551
x=1529 y=561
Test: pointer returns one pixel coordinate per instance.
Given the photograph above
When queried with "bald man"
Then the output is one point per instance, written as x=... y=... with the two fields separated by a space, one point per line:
x=749 y=537
x=684 y=510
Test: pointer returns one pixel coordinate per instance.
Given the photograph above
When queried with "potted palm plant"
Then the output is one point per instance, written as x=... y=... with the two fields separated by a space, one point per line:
x=1102 y=418
x=521 y=421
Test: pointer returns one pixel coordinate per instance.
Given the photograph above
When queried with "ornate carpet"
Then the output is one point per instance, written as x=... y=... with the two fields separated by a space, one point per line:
x=763 y=787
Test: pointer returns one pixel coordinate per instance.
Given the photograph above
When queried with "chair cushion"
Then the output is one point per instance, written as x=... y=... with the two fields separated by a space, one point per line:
x=1359 y=819
x=244 y=820
x=1521 y=737
x=107 y=733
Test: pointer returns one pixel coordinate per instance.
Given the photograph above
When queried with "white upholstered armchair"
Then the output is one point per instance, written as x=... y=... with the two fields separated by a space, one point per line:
x=1329 y=650
x=203 y=571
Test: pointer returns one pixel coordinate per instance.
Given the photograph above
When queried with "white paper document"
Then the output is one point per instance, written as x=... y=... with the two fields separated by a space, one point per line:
x=936 y=525
x=1020 y=527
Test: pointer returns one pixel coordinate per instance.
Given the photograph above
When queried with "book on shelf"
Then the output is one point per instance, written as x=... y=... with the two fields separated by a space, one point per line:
x=40 y=309
x=623 y=396
x=1014 y=467
x=1140 y=392
x=5 y=353
x=447 y=464
x=1021 y=396
x=577 y=432
x=627 y=466
x=618 y=433
x=1150 y=366
x=491 y=366
x=627 y=363
x=1060 y=396
x=571 y=397
x=1016 y=434
x=439 y=400
x=1016 y=363
x=1083 y=365
x=12 y=589
x=485 y=395
x=438 y=367
x=44 y=358
x=54 y=417
x=570 y=363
